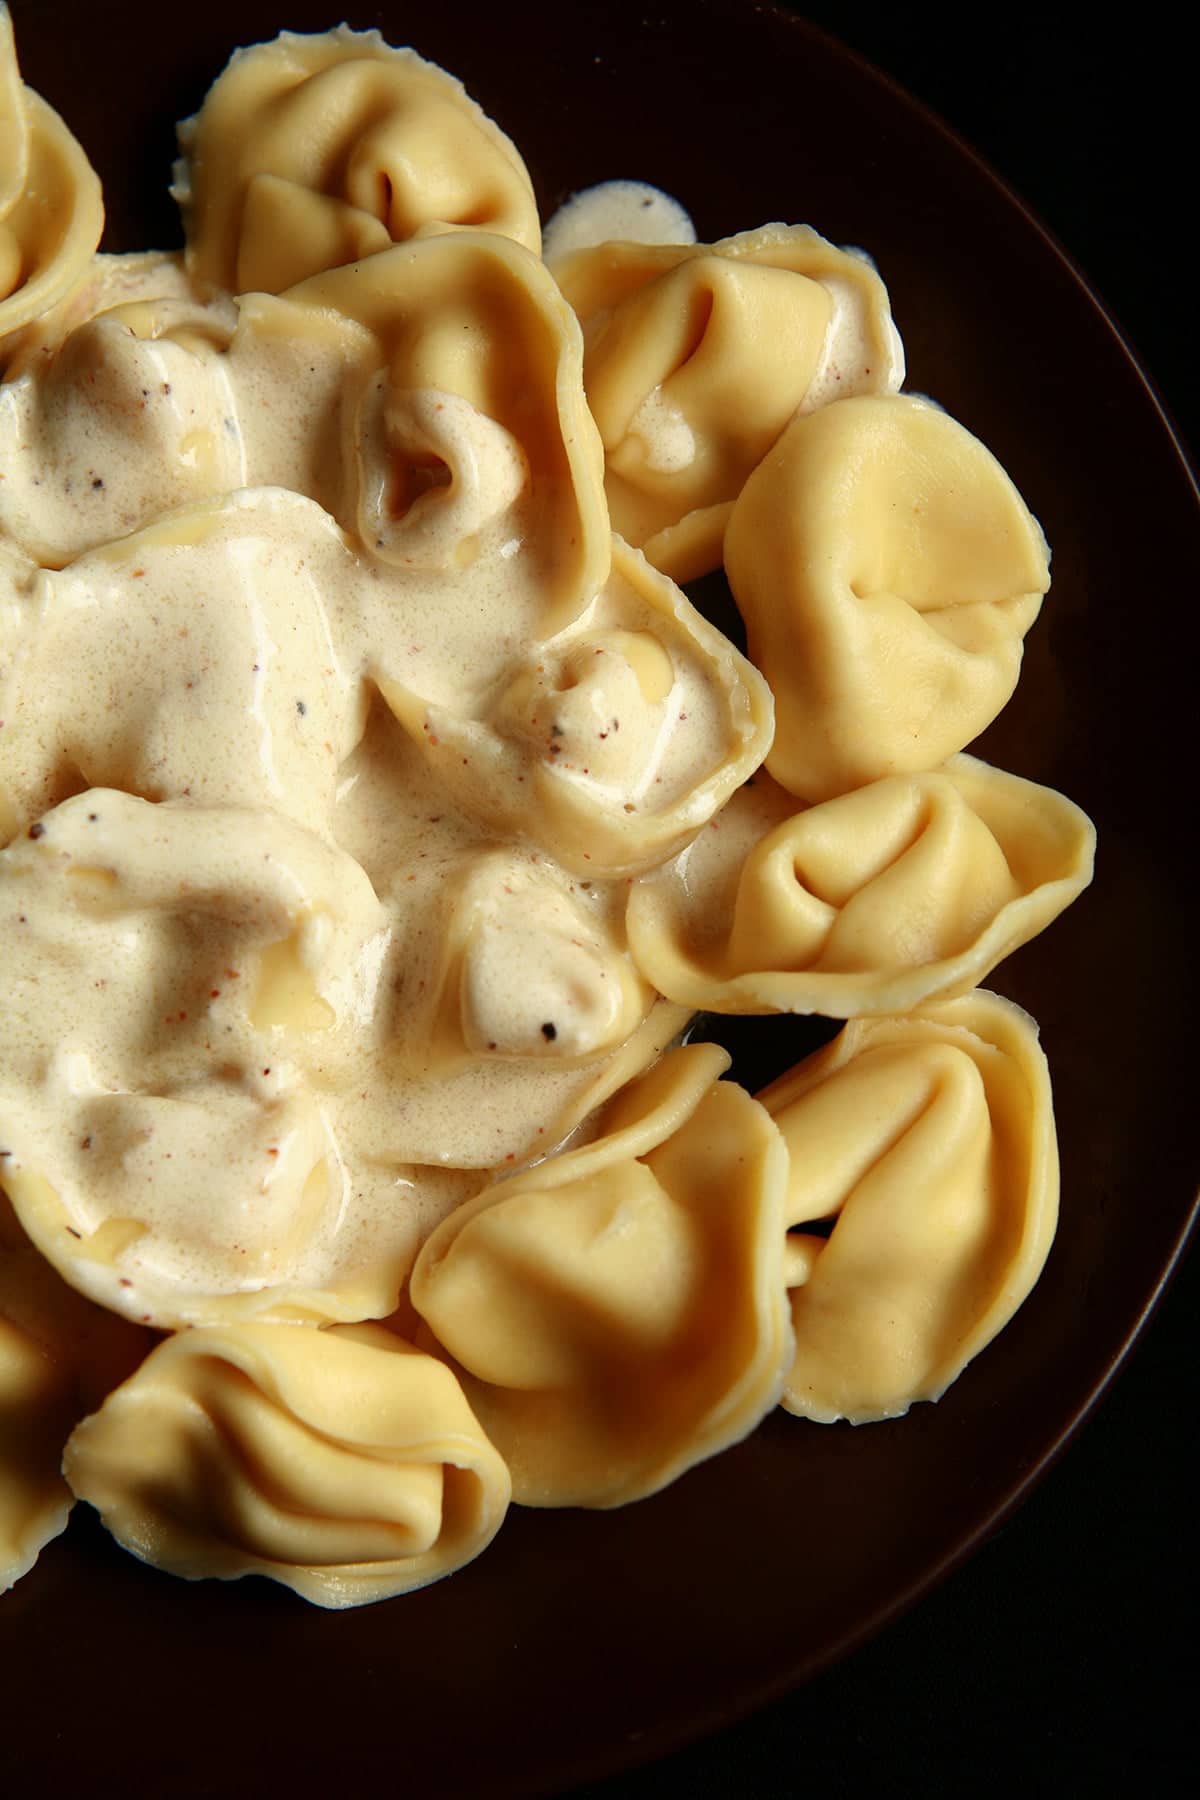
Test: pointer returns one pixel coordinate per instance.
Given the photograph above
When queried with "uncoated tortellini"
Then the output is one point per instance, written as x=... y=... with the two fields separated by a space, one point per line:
x=618 y=1312
x=342 y=1463
x=929 y=1143
x=697 y=357
x=314 y=151
x=887 y=570
x=904 y=891
x=51 y=208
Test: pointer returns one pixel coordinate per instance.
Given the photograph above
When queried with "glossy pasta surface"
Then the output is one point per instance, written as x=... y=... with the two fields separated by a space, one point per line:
x=376 y=810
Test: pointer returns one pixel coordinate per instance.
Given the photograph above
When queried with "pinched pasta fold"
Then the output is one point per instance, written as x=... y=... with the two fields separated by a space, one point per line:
x=908 y=890
x=342 y=1463
x=927 y=1143
x=376 y=810
x=466 y=436
x=625 y=734
x=314 y=151
x=616 y=1314
x=697 y=357
x=51 y=208
x=887 y=571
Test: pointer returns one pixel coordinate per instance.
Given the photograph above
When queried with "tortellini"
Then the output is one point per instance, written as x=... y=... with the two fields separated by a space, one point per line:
x=342 y=1463
x=615 y=1313
x=928 y=1142
x=51 y=208
x=887 y=570
x=312 y=151
x=468 y=402
x=907 y=890
x=627 y=733
x=198 y=1020
x=697 y=357
x=376 y=811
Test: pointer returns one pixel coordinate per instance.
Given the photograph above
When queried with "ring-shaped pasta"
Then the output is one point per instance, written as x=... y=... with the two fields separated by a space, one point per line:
x=617 y=1314
x=622 y=736
x=476 y=316
x=699 y=354
x=905 y=891
x=314 y=151
x=887 y=570
x=928 y=1141
x=342 y=1463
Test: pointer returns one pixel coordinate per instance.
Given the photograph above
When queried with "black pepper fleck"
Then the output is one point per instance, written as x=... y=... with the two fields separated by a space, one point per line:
x=549 y=1032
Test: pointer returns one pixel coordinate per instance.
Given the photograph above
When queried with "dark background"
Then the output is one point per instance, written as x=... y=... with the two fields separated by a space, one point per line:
x=1061 y=1657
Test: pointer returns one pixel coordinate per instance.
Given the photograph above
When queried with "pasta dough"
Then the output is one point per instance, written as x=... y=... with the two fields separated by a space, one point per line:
x=373 y=816
x=907 y=890
x=697 y=357
x=929 y=1143
x=311 y=152
x=51 y=209
x=343 y=1464
x=615 y=1313
x=887 y=570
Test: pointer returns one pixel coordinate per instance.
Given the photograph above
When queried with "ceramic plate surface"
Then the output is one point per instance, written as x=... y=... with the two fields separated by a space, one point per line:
x=579 y=1641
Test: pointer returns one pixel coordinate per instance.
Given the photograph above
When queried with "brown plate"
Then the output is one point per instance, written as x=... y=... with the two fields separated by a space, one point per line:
x=583 y=1642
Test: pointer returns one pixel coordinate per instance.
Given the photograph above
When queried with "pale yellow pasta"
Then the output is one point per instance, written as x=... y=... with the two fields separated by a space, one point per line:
x=887 y=570
x=313 y=151
x=623 y=735
x=51 y=209
x=88 y=460
x=697 y=357
x=616 y=1314
x=928 y=1142
x=342 y=1463
x=375 y=811
x=468 y=369
x=908 y=890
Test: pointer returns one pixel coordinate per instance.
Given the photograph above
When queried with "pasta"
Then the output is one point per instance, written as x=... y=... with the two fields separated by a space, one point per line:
x=376 y=810
x=347 y=1465
x=907 y=890
x=929 y=1141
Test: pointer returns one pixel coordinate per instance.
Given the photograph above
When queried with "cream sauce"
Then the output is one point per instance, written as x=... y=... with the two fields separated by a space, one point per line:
x=284 y=987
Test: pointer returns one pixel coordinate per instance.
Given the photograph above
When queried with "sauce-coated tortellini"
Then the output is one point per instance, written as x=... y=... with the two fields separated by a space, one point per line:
x=887 y=570
x=206 y=973
x=463 y=408
x=87 y=460
x=625 y=733
x=103 y=692
x=51 y=208
x=313 y=151
x=697 y=357
x=904 y=891
x=617 y=1313
x=342 y=1463
x=928 y=1143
